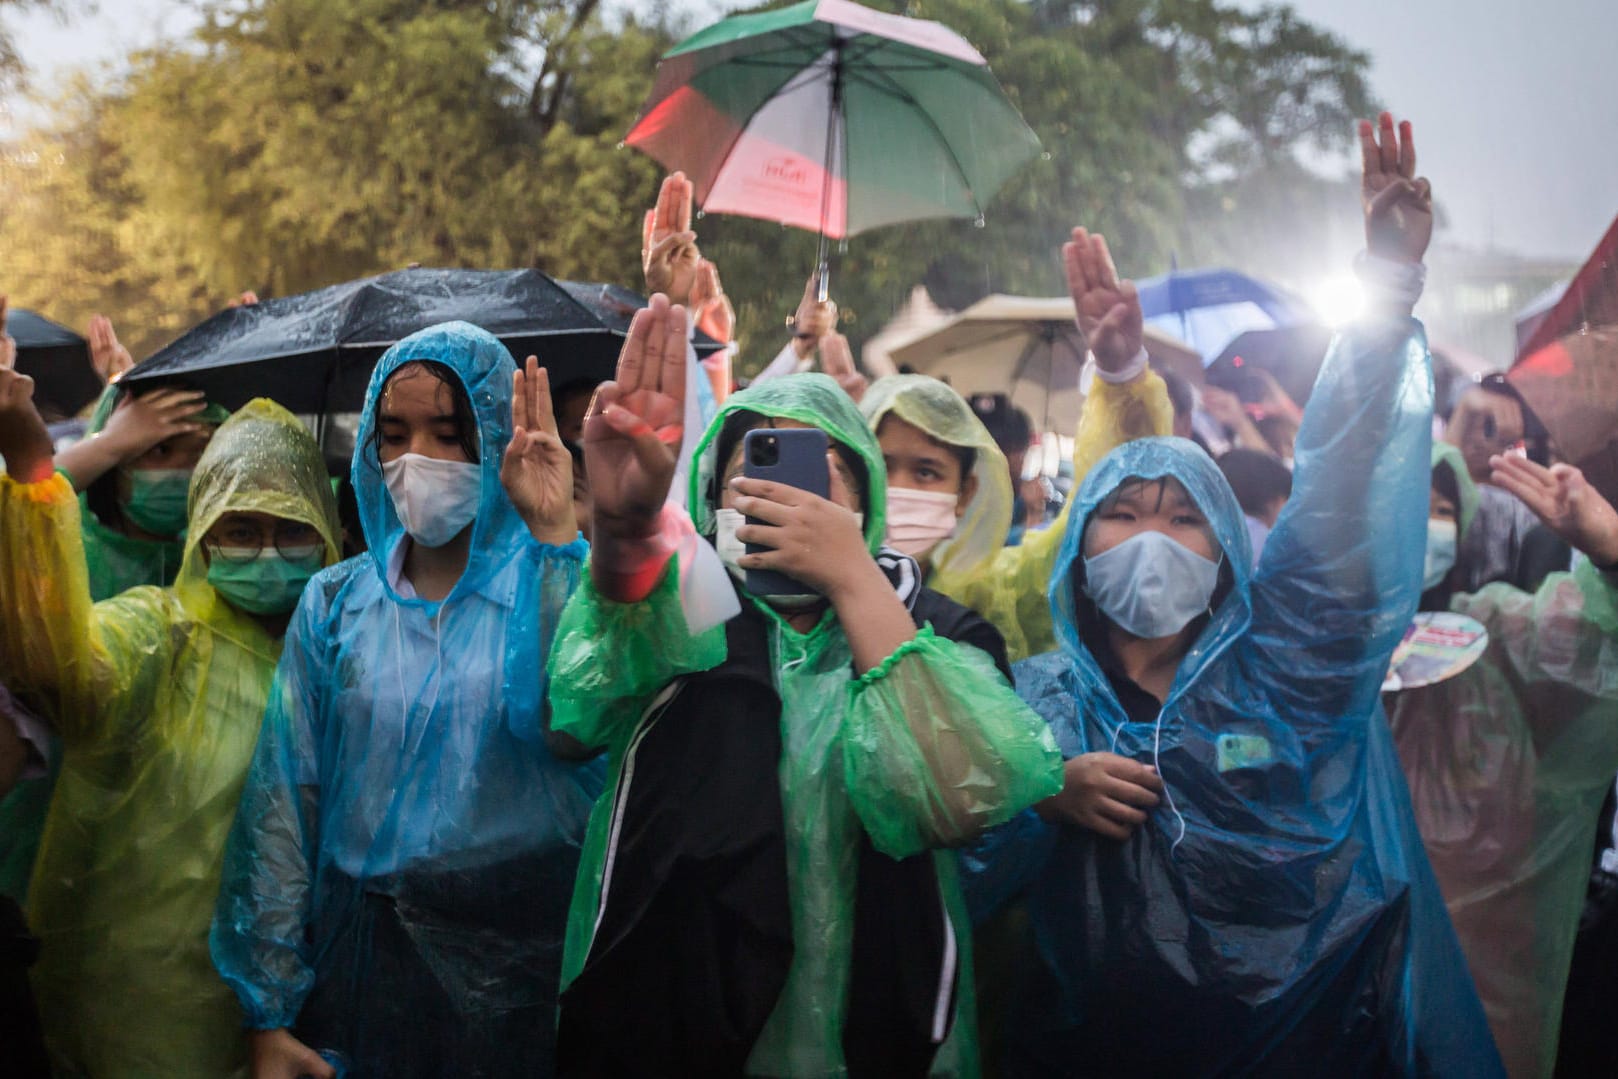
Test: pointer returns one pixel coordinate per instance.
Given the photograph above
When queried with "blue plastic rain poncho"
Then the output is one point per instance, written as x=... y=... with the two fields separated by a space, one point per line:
x=1275 y=915
x=157 y=695
x=1508 y=763
x=396 y=885
x=974 y=566
x=870 y=771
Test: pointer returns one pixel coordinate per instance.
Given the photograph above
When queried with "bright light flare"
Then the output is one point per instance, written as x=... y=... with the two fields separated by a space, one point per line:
x=1338 y=300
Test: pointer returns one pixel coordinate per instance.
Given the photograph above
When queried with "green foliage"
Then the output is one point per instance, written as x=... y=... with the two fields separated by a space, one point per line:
x=290 y=144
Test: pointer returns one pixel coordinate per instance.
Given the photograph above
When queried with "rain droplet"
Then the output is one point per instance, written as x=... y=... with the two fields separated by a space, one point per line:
x=1046 y=156
x=701 y=214
x=621 y=145
x=979 y=223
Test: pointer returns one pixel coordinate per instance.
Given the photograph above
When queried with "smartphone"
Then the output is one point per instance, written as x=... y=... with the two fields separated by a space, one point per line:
x=796 y=457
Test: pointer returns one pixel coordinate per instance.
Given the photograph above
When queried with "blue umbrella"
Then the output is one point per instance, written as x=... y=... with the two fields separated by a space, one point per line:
x=1208 y=309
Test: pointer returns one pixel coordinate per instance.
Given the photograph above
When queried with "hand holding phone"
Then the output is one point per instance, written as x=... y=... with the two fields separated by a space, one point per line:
x=794 y=457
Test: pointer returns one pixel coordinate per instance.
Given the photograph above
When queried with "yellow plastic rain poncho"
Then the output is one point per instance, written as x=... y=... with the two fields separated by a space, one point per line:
x=157 y=695
x=974 y=567
x=1507 y=763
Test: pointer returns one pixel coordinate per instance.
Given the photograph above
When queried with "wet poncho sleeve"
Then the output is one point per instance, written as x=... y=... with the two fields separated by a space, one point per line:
x=66 y=656
x=258 y=939
x=609 y=659
x=1340 y=575
x=937 y=747
x=1009 y=589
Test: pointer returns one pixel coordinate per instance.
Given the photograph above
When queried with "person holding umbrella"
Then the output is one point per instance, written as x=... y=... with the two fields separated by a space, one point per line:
x=395 y=888
x=156 y=695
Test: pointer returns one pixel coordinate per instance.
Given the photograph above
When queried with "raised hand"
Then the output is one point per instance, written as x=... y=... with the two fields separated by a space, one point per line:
x=537 y=471
x=139 y=423
x=813 y=320
x=25 y=442
x=246 y=299
x=1562 y=498
x=1105 y=793
x=1107 y=310
x=710 y=307
x=8 y=344
x=837 y=360
x=632 y=433
x=668 y=251
x=107 y=354
x=1398 y=205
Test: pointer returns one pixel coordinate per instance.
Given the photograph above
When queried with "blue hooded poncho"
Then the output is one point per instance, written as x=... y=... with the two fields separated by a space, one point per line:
x=1275 y=914
x=396 y=884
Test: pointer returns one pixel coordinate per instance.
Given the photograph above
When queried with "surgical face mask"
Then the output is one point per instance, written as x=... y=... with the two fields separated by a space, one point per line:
x=269 y=583
x=157 y=498
x=731 y=549
x=918 y=521
x=1441 y=542
x=1150 y=585
x=434 y=499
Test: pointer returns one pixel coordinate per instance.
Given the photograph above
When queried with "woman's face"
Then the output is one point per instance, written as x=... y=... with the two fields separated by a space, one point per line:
x=416 y=414
x=916 y=460
x=1149 y=505
x=733 y=468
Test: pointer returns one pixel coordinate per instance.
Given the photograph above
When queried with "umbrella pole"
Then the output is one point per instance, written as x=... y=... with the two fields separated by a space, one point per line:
x=833 y=122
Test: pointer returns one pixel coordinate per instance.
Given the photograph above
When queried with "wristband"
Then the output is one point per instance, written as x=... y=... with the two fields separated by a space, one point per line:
x=1128 y=374
x=1390 y=280
x=627 y=570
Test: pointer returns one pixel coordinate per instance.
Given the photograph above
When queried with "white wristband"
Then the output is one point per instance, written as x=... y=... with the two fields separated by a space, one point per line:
x=1390 y=280
x=1128 y=374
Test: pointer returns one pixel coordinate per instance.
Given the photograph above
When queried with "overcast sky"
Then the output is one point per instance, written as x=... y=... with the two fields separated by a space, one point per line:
x=1515 y=101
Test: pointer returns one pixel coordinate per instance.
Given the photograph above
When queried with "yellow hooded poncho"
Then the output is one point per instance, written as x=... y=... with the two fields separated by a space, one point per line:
x=974 y=567
x=157 y=695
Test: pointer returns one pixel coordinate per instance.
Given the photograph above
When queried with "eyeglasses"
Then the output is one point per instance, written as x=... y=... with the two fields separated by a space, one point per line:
x=243 y=541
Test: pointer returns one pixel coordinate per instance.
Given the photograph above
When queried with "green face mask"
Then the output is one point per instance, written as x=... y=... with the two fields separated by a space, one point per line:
x=267 y=584
x=157 y=499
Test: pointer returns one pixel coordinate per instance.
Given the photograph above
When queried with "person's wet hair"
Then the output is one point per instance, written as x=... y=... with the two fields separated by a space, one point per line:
x=1536 y=439
x=1258 y=478
x=466 y=420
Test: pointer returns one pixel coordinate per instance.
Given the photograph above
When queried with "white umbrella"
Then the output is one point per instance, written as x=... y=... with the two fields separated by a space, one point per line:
x=1029 y=348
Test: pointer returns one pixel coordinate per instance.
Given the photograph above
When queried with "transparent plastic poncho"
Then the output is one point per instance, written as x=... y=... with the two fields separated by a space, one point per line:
x=974 y=566
x=856 y=750
x=396 y=885
x=1507 y=764
x=1276 y=913
x=157 y=696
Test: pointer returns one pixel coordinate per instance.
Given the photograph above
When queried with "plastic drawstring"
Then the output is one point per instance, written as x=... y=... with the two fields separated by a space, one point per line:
x=1157 y=745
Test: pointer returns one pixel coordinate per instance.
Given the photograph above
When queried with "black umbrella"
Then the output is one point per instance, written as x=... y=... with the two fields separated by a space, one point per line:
x=57 y=359
x=314 y=352
x=1293 y=354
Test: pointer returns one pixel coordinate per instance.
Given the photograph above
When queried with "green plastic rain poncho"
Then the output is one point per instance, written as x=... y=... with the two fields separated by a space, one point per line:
x=854 y=759
x=1507 y=763
x=396 y=884
x=157 y=696
x=974 y=567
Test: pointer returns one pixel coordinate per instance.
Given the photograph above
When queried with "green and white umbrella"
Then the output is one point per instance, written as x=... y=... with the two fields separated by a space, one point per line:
x=832 y=117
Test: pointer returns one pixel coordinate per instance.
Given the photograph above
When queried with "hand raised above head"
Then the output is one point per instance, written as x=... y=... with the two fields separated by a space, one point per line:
x=1398 y=205
x=669 y=253
x=710 y=307
x=1106 y=309
x=107 y=354
x=814 y=318
x=633 y=430
x=25 y=442
x=837 y=360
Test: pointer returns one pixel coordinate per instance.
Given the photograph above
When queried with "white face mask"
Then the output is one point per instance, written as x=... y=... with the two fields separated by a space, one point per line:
x=731 y=549
x=1442 y=538
x=434 y=499
x=1150 y=585
x=918 y=521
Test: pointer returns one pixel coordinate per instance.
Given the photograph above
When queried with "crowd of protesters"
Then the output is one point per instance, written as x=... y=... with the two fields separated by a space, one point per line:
x=554 y=739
